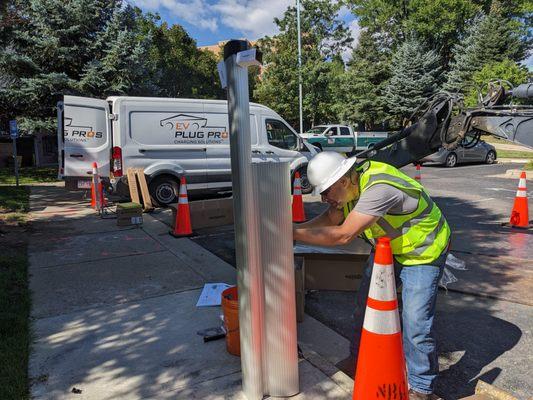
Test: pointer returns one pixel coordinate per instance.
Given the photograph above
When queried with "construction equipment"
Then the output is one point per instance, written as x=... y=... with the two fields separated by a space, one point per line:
x=444 y=121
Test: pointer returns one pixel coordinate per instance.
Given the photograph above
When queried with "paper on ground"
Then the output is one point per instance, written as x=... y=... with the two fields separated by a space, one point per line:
x=211 y=294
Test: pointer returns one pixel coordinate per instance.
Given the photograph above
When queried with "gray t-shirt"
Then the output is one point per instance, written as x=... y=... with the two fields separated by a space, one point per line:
x=381 y=199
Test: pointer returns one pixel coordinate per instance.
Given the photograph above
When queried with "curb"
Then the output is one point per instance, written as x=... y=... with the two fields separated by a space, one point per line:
x=515 y=173
x=513 y=160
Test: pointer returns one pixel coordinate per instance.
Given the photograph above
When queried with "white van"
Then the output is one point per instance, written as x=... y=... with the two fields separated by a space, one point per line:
x=168 y=138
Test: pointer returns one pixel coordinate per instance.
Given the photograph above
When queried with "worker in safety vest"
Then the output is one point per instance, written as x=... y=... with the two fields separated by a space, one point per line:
x=372 y=200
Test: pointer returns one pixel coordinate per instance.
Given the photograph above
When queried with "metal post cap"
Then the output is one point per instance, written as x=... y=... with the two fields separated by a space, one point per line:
x=235 y=46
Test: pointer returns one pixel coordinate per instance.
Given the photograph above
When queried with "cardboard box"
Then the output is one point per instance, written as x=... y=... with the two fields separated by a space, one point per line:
x=300 y=306
x=208 y=213
x=299 y=283
x=333 y=271
x=129 y=214
x=299 y=276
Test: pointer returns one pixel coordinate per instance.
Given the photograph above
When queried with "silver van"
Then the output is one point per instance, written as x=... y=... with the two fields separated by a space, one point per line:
x=168 y=138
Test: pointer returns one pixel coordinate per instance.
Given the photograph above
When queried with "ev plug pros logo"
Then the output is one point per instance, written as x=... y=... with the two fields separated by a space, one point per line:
x=189 y=129
x=75 y=133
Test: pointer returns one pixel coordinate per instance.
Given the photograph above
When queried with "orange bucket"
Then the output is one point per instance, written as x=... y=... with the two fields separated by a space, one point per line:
x=230 y=309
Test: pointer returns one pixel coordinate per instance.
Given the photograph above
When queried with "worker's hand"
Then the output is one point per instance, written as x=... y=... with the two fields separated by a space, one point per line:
x=294 y=232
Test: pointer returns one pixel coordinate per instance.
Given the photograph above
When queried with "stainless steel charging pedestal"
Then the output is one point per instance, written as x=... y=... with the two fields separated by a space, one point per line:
x=263 y=245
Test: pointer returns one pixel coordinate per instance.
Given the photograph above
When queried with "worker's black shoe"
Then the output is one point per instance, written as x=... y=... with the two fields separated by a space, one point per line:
x=422 y=396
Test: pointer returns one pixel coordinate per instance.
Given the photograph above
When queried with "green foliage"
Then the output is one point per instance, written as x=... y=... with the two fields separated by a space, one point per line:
x=14 y=294
x=416 y=74
x=324 y=37
x=362 y=86
x=93 y=48
x=507 y=70
x=182 y=69
x=490 y=38
x=28 y=175
x=438 y=22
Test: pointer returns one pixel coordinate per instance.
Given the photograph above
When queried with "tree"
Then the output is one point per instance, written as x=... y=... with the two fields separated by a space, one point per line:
x=182 y=69
x=506 y=69
x=440 y=23
x=362 y=86
x=416 y=74
x=121 y=65
x=324 y=37
x=490 y=39
x=60 y=48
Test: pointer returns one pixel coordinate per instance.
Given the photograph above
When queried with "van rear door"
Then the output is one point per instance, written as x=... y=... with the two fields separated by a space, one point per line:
x=86 y=138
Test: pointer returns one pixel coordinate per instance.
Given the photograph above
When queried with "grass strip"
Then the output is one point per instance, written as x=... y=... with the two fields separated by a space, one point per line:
x=28 y=175
x=514 y=154
x=14 y=294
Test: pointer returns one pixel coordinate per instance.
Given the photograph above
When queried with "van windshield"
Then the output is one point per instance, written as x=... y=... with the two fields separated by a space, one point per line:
x=316 y=129
x=279 y=135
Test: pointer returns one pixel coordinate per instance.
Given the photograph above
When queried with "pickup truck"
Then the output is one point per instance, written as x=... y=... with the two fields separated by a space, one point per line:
x=342 y=138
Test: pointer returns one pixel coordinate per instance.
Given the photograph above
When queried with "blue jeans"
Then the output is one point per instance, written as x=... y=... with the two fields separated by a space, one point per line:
x=419 y=295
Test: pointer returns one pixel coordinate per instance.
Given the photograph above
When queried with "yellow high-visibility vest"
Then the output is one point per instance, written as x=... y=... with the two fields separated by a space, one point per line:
x=418 y=237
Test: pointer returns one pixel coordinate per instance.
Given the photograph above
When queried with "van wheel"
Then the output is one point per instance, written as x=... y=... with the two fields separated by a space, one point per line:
x=164 y=190
x=306 y=186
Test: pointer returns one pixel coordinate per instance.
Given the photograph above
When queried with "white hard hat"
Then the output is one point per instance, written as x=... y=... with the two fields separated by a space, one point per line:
x=326 y=168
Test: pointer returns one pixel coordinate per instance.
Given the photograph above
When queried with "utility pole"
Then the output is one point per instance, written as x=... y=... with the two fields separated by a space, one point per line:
x=300 y=96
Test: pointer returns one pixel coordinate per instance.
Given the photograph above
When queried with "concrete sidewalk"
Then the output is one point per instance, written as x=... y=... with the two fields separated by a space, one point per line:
x=114 y=313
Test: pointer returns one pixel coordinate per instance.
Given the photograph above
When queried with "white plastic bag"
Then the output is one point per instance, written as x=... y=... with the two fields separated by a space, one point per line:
x=447 y=276
x=455 y=263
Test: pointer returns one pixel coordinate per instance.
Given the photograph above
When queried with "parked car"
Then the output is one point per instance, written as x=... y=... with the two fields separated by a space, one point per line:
x=342 y=138
x=481 y=152
x=167 y=138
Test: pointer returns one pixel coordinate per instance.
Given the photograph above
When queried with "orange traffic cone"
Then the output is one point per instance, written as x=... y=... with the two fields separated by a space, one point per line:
x=418 y=174
x=520 y=214
x=381 y=372
x=298 y=212
x=182 y=225
x=96 y=189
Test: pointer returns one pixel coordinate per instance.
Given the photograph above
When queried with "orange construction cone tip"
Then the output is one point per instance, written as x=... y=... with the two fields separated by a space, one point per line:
x=182 y=225
x=418 y=174
x=298 y=212
x=520 y=212
x=381 y=371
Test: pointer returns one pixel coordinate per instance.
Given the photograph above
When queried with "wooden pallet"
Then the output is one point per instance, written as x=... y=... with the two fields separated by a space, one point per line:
x=136 y=181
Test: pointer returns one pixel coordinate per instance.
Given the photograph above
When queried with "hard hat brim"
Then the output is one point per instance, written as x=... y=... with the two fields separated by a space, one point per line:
x=346 y=165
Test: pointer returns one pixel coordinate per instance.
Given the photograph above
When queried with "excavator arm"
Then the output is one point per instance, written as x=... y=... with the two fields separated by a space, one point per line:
x=443 y=121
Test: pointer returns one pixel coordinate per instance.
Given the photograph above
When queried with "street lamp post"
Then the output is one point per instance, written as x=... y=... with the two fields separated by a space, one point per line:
x=300 y=99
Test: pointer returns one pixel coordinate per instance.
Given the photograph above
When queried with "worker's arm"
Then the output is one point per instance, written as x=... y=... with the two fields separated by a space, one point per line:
x=354 y=224
x=331 y=216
